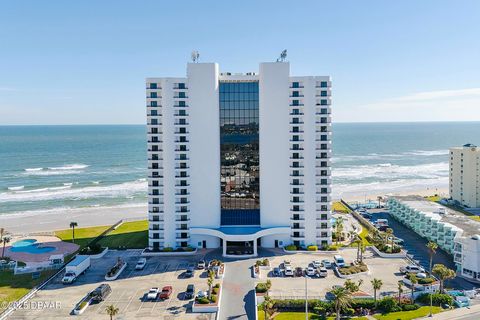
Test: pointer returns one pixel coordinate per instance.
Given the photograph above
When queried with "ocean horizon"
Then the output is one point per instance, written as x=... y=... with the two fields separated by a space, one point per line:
x=51 y=168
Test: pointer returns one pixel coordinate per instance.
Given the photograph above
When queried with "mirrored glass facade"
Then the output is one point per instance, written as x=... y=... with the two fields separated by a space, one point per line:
x=239 y=153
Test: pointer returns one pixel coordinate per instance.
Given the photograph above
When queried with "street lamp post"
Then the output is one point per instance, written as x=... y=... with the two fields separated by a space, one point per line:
x=306 y=299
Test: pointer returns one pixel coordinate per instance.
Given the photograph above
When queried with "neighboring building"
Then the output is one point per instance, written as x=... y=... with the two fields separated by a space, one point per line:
x=465 y=175
x=239 y=160
x=451 y=230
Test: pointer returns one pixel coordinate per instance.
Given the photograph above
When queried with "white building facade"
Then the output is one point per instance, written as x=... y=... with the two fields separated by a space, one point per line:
x=239 y=160
x=454 y=232
x=465 y=175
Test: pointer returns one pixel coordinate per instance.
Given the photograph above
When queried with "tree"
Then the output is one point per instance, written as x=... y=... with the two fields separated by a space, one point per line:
x=342 y=300
x=376 y=284
x=389 y=233
x=414 y=280
x=379 y=198
x=268 y=285
x=400 y=291
x=210 y=279
x=111 y=311
x=268 y=307
x=5 y=240
x=352 y=286
x=432 y=249
x=443 y=273
x=338 y=228
x=73 y=224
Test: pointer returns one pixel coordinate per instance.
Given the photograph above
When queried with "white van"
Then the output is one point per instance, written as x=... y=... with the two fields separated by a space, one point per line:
x=339 y=261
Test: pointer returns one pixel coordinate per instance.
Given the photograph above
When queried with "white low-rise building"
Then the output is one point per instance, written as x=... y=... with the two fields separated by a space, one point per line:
x=454 y=232
x=239 y=160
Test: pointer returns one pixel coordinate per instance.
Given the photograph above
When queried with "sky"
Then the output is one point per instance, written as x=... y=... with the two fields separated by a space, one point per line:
x=84 y=62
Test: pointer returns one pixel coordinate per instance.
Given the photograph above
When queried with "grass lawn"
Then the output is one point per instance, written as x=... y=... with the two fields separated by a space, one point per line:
x=14 y=287
x=131 y=235
x=433 y=198
x=299 y=316
x=339 y=207
x=407 y=315
x=363 y=235
x=82 y=235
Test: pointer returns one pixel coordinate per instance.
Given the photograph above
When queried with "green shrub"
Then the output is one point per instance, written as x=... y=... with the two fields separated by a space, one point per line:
x=213 y=298
x=312 y=248
x=332 y=247
x=299 y=305
x=258 y=263
x=167 y=249
x=425 y=280
x=217 y=286
x=265 y=262
x=291 y=247
x=363 y=303
x=410 y=307
x=261 y=287
x=388 y=304
x=203 y=300
x=348 y=312
x=215 y=290
x=437 y=299
x=188 y=249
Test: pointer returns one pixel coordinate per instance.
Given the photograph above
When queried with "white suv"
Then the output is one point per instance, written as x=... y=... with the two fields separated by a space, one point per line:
x=412 y=269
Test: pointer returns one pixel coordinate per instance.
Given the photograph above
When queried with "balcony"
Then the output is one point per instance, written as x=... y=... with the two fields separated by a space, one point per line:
x=297 y=237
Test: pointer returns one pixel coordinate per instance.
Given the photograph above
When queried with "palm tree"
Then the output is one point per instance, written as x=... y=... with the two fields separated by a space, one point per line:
x=342 y=300
x=268 y=285
x=400 y=290
x=73 y=224
x=443 y=273
x=414 y=280
x=5 y=240
x=111 y=311
x=210 y=279
x=268 y=307
x=389 y=233
x=338 y=228
x=432 y=249
x=376 y=284
x=379 y=198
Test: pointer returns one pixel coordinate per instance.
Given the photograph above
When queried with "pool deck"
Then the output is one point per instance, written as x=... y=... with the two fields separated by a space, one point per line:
x=42 y=241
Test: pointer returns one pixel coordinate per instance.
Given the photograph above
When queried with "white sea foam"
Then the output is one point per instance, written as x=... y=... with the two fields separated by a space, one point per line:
x=16 y=188
x=53 y=171
x=68 y=184
x=386 y=156
x=67 y=192
x=96 y=182
x=389 y=187
x=388 y=171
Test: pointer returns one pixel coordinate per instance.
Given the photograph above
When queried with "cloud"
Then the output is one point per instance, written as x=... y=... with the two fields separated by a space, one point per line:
x=441 y=105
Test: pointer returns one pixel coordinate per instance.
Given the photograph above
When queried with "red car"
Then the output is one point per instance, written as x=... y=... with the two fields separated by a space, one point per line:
x=166 y=292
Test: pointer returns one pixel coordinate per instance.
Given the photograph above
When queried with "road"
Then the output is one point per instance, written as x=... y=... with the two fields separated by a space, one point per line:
x=416 y=246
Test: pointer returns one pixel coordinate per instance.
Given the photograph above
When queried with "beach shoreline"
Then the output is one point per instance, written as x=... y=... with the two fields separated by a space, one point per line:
x=45 y=221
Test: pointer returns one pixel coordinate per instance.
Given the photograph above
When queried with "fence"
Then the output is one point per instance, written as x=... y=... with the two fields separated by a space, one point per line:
x=364 y=222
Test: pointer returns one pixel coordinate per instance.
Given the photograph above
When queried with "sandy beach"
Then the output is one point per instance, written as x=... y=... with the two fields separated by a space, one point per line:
x=43 y=221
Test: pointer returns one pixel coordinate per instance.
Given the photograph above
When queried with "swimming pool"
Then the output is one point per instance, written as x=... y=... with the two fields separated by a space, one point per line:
x=30 y=246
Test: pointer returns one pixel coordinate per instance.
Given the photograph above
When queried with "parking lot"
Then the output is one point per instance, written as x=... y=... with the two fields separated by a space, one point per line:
x=287 y=287
x=128 y=291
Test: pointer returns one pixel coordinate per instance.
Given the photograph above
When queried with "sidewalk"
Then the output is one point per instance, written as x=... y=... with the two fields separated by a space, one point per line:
x=472 y=313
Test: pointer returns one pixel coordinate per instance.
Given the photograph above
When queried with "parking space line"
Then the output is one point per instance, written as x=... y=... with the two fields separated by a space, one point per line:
x=130 y=301
x=169 y=302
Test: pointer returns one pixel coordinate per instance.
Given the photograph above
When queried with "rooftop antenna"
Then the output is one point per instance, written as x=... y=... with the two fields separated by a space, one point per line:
x=283 y=56
x=195 y=56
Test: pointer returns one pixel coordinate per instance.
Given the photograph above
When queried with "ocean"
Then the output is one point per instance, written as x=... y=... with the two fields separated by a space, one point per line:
x=55 y=168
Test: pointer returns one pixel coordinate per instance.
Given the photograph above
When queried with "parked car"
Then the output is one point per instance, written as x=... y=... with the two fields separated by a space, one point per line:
x=298 y=272
x=202 y=294
x=190 y=292
x=310 y=271
x=276 y=272
x=339 y=261
x=316 y=263
x=412 y=269
x=327 y=264
x=322 y=272
x=201 y=264
x=141 y=264
x=288 y=271
x=166 y=292
x=190 y=272
x=421 y=275
x=153 y=293
x=101 y=292
x=286 y=263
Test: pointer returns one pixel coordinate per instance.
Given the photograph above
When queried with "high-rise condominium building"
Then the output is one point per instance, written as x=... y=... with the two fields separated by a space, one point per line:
x=465 y=175
x=239 y=160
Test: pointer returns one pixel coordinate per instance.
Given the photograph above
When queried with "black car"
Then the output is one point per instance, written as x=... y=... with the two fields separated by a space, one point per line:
x=101 y=292
x=276 y=272
x=190 y=292
x=190 y=272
